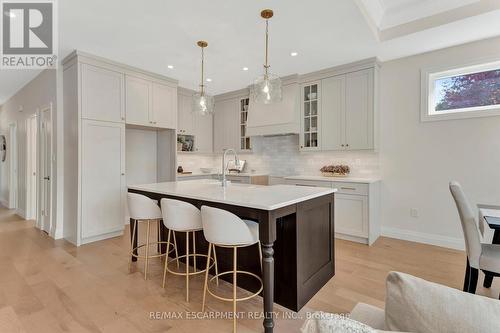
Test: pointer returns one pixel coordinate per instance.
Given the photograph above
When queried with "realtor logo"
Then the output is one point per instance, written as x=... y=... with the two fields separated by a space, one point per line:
x=28 y=34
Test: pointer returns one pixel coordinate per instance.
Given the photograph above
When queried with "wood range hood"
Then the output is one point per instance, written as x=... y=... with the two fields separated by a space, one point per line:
x=279 y=118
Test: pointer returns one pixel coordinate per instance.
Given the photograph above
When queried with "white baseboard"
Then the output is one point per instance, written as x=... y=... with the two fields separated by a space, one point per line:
x=21 y=213
x=420 y=237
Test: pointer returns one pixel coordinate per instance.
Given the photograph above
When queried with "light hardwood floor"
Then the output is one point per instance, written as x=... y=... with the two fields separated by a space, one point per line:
x=51 y=286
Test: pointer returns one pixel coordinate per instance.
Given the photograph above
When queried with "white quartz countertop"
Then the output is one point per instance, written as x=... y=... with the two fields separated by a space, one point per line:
x=245 y=195
x=241 y=174
x=347 y=179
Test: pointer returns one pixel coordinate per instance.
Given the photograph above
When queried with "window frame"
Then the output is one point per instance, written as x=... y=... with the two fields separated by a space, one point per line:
x=430 y=75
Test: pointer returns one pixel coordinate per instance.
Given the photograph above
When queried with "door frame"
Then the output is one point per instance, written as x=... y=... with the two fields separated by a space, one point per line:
x=13 y=166
x=32 y=160
x=50 y=226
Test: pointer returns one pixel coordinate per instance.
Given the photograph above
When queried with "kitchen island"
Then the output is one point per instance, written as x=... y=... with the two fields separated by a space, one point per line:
x=296 y=230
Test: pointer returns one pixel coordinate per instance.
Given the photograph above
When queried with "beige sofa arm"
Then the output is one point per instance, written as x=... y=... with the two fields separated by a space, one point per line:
x=369 y=315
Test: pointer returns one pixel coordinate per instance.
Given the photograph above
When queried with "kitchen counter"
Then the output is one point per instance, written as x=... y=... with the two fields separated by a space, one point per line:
x=247 y=195
x=213 y=174
x=347 y=179
x=296 y=233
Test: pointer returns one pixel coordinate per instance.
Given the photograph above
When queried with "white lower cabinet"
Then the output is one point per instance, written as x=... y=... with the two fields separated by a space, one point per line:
x=103 y=171
x=356 y=208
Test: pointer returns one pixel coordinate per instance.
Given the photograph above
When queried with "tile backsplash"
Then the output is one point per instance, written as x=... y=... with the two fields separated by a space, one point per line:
x=280 y=156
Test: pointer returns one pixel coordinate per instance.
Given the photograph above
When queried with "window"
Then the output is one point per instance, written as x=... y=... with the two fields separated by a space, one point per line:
x=472 y=91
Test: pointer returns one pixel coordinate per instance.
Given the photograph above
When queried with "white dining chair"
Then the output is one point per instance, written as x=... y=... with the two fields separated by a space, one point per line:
x=224 y=229
x=145 y=210
x=180 y=216
x=480 y=256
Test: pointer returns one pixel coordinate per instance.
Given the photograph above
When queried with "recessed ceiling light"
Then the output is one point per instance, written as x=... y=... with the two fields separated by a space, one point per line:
x=245 y=68
x=209 y=80
x=294 y=54
x=170 y=67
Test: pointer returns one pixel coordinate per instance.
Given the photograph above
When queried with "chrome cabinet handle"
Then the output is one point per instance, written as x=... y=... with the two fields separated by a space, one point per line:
x=348 y=188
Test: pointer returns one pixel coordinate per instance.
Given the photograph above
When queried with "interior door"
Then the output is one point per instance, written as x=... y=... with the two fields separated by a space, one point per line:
x=45 y=168
x=138 y=101
x=359 y=110
x=102 y=94
x=12 y=151
x=164 y=108
x=103 y=178
x=31 y=167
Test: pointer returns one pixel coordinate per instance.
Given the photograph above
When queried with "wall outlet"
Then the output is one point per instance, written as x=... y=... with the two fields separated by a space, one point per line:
x=414 y=212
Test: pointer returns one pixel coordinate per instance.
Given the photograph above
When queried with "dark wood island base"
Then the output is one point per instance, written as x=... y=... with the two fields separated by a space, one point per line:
x=297 y=247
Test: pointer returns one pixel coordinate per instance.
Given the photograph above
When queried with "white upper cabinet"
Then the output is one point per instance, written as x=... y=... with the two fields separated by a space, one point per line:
x=359 y=106
x=186 y=120
x=102 y=94
x=227 y=124
x=203 y=132
x=138 y=101
x=149 y=103
x=164 y=106
x=342 y=117
x=310 y=134
x=333 y=107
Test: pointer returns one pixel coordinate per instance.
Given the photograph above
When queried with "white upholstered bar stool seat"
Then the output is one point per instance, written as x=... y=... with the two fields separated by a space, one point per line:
x=224 y=229
x=180 y=216
x=144 y=209
x=485 y=257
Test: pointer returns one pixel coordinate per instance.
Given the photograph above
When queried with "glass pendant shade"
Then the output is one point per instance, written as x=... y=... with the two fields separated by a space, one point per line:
x=267 y=89
x=203 y=104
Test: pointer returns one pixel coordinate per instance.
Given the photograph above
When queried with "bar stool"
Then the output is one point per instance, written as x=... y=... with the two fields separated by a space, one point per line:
x=180 y=216
x=224 y=229
x=142 y=208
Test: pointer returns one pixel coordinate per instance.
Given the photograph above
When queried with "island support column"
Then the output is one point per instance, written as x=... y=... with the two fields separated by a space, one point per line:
x=267 y=235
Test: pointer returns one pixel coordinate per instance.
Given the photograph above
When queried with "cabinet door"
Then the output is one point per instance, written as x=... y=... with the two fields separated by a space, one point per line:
x=351 y=214
x=310 y=117
x=203 y=137
x=102 y=178
x=164 y=108
x=186 y=120
x=226 y=125
x=359 y=110
x=332 y=113
x=138 y=101
x=102 y=94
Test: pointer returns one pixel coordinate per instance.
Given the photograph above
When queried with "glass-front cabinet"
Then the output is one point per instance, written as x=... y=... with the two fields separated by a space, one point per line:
x=310 y=116
x=245 y=143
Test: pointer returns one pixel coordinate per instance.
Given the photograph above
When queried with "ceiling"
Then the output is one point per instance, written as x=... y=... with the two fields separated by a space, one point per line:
x=156 y=33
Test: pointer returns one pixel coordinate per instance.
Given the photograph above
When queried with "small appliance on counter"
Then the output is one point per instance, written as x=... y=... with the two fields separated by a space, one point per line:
x=180 y=170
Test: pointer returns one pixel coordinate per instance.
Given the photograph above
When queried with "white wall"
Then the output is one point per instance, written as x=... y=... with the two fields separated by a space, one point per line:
x=418 y=159
x=140 y=154
x=39 y=92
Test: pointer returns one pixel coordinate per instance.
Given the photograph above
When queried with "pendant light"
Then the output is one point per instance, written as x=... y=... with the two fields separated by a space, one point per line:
x=203 y=103
x=267 y=88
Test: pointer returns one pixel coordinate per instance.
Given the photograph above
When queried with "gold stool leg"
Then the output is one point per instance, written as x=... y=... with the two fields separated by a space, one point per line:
x=132 y=245
x=260 y=257
x=194 y=250
x=166 y=259
x=175 y=246
x=147 y=253
x=235 y=268
x=216 y=269
x=187 y=266
x=206 y=277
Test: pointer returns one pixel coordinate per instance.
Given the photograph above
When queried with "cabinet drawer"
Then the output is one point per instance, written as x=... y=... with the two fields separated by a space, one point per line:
x=351 y=188
x=311 y=183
